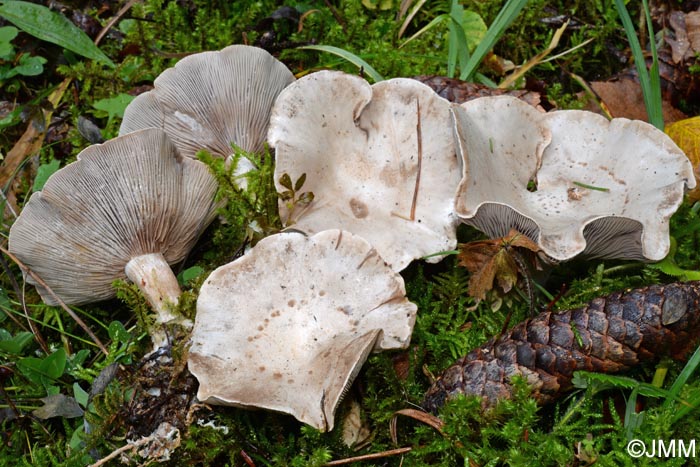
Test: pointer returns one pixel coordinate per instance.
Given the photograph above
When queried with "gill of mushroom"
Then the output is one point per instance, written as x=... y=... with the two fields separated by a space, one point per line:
x=380 y=161
x=213 y=100
x=319 y=305
x=127 y=208
x=571 y=180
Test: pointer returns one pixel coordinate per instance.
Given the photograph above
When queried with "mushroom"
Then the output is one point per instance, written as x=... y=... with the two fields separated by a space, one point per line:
x=380 y=161
x=571 y=180
x=127 y=208
x=320 y=305
x=212 y=100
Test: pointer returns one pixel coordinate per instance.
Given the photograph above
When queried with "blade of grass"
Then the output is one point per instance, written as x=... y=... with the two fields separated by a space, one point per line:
x=633 y=419
x=648 y=78
x=689 y=404
x=505 y=18
x=435 y=21
x=350 y=57
x=520 y=71
x=410 y=16
x=682 y=378
x=441 y=253
x=654 y=75
x=591 y=187
x=458 y=49
x=61 y=303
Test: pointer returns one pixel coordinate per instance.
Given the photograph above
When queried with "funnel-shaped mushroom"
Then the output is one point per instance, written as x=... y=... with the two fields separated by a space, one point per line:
x=380 y=161
x=125 y=208
x=211 y=100
x=321 y=305
x=571 y=180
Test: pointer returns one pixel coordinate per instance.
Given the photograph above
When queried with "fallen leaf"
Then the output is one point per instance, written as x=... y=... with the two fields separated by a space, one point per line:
x=29 y=144
x=686 y=134
x=623 y=97
x=58 y=405
x=489 y=260
x=692 y=25
x=458 y=91
x=355 y=430
x=680 y=45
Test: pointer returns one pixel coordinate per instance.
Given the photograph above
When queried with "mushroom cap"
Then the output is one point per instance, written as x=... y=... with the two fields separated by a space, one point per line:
x=373 y=155
x=130 y=196
x=603 y=188
x=210 y=100
x=321 y=304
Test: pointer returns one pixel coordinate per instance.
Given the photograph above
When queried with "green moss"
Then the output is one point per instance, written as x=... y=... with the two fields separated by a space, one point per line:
x=590 y=424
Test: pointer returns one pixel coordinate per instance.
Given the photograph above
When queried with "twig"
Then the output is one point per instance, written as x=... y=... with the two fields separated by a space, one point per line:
x=127 y=447
x=336 y=15
x=367 y=457
x=568 y=51
x=35 y=332
x=8 y=205
x=61 y=303
x=420 y=162
x=114 y=20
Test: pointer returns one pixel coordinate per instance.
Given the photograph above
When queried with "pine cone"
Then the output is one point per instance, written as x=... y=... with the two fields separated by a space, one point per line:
x=608 y=335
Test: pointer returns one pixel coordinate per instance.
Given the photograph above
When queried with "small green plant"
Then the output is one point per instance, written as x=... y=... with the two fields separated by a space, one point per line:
x=11 y=64
x=249 y=212
x=293 y=197
x=112 y=107
x=468 y=43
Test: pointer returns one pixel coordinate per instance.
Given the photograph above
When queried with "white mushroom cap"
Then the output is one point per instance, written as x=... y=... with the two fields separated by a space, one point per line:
x=132 y=202
x=288 y=326
x=604 y=188
x=380 y=161
x=210 y=100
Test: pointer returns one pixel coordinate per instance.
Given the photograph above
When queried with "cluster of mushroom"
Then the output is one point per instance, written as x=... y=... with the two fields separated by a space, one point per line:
x=393 y=167
x=136 y=204
x=381 y=161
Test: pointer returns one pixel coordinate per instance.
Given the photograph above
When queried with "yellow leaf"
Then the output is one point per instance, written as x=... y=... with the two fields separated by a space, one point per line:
x=686 y=134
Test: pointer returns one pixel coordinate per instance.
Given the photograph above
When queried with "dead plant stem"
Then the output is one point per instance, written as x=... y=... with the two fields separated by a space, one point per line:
x=366 y=457
x=419 y=147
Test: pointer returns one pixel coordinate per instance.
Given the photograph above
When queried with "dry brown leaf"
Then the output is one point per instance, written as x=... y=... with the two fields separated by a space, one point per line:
x=356 y=430
x=497 y=64
x=692 y=25
x=686 y=134
x=487 y=260
x=30 y=143
x=623 y=98
x=680 y=45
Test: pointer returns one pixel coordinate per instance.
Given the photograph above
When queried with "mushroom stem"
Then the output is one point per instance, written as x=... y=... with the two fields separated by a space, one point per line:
x=153 y=276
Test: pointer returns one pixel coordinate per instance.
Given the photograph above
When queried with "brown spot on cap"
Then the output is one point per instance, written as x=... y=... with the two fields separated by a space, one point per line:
x=359 y=209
